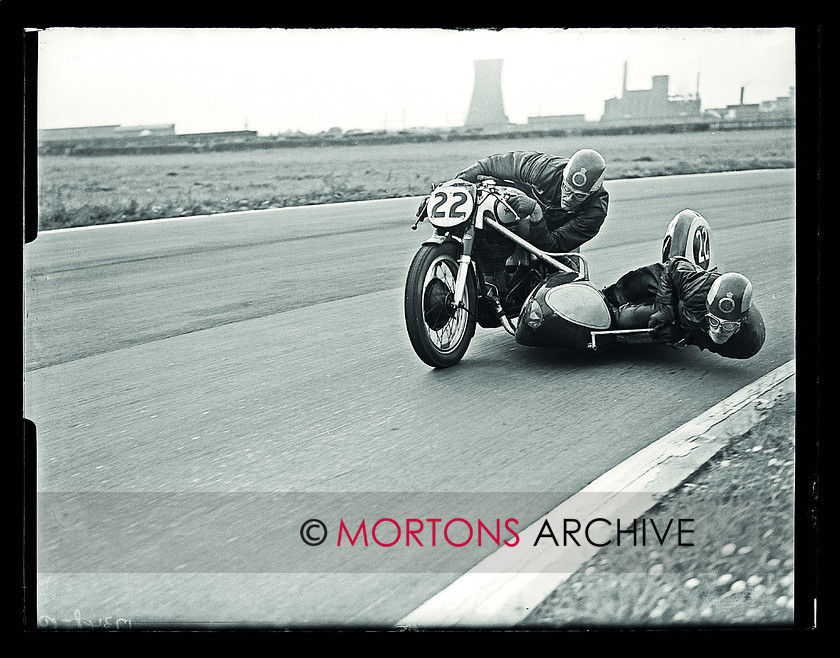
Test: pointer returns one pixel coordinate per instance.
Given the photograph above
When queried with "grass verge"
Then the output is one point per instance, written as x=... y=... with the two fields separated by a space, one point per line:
x=82 y=191
x=744 y=574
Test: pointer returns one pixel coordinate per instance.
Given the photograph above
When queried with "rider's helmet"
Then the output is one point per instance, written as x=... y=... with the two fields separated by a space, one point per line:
x=582 y=177
x=727 y=305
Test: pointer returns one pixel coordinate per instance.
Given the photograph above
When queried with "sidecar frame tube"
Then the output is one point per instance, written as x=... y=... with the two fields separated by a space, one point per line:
x=542 y=255
x=624 y=336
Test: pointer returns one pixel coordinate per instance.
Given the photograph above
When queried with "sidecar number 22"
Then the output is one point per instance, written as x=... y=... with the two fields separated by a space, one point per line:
x=450 y=206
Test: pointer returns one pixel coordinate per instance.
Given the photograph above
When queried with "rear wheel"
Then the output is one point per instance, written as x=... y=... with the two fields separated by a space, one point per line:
x=439 y=332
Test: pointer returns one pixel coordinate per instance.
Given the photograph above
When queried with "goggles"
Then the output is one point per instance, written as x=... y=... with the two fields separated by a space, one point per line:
x=568 y=191
x=727 y=325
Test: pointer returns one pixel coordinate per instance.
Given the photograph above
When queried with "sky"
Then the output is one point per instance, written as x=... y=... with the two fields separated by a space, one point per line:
x=276 y=80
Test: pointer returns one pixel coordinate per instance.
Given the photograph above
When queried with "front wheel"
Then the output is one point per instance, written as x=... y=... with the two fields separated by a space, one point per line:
x=439 y=332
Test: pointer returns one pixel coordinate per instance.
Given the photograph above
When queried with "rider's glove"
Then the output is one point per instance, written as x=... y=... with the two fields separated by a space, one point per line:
x=470 y=174
x=661 y=324
x=522 y=205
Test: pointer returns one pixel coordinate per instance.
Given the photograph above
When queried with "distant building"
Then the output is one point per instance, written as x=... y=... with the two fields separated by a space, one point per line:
x=557 y=122
x=743 y=112
x=104 y=132
x=780 y=110
x=782 y=105
x=648 y=105
x=136 y=139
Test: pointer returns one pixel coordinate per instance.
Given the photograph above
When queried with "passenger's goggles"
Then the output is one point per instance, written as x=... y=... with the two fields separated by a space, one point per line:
x=716 y=323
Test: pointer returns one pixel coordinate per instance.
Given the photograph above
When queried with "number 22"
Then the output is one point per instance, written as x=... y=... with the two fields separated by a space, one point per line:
x=454 y=200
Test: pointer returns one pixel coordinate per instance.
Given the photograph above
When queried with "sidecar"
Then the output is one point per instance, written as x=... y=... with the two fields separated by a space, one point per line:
x=567 y=310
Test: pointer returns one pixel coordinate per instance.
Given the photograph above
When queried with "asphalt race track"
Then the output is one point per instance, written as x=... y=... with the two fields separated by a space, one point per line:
x=203 y=387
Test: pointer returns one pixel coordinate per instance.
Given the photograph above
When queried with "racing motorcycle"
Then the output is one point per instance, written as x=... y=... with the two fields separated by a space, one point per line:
x=476 y=270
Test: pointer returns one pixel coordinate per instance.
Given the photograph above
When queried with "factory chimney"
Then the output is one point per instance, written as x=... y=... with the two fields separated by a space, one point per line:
x=624 y=82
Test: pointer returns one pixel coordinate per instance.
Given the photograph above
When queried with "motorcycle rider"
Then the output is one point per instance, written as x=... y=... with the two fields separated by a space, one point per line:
x=692 y=306
x=563 y=198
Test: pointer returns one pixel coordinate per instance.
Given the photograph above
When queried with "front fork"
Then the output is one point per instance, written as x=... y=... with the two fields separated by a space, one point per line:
x=464 y=264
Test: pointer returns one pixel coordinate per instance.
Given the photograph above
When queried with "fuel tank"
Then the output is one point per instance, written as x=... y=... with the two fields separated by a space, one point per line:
x=562 y=312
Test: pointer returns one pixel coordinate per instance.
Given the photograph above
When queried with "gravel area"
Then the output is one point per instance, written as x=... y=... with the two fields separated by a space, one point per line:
x=740 y=572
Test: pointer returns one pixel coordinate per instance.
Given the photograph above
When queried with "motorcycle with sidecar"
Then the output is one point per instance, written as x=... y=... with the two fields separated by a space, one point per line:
x=476 y=270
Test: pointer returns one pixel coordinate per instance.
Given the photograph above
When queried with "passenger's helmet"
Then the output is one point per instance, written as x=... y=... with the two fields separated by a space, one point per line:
x=582 y=176
x=689 y=235
x=730 y=297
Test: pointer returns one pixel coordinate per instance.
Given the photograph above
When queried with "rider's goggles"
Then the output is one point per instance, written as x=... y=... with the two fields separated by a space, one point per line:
x=569 y=191
x=727 y=325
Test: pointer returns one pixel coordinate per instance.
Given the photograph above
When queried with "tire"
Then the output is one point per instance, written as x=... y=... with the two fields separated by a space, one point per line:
x=439 y=333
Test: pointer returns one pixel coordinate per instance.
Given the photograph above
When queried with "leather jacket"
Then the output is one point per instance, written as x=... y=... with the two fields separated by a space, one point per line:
x=681 y=299
x=540 y=176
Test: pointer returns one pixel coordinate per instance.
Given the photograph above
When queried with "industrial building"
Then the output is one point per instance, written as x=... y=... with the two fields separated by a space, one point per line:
x=780 y=110
x=104 y=132
x=145 y=138
x=557 y=121
x=650 y=105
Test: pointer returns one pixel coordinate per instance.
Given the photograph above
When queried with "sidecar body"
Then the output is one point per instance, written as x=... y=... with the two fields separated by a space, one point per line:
x=570 y=312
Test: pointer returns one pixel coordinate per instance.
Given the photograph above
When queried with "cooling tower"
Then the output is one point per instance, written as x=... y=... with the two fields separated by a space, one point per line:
x=486 y=107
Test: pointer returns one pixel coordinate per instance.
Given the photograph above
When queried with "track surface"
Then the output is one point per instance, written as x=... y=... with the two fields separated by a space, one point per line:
x=202 y=387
